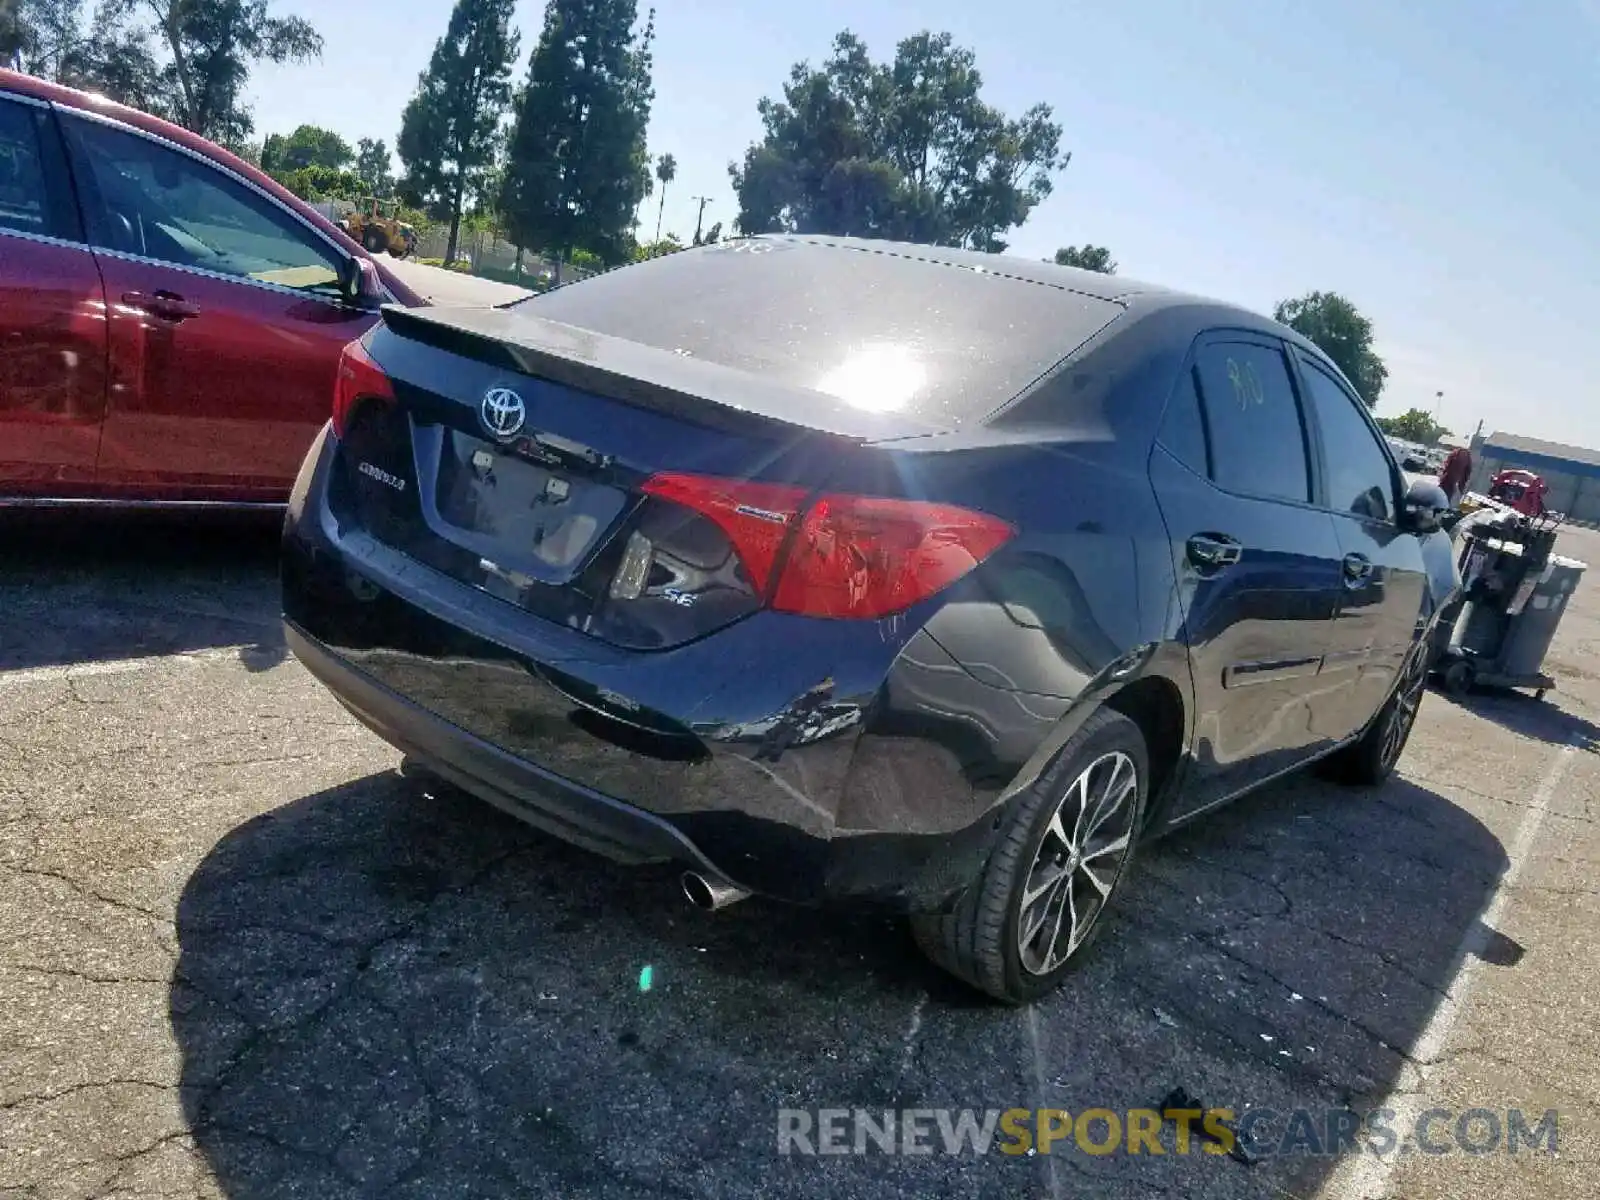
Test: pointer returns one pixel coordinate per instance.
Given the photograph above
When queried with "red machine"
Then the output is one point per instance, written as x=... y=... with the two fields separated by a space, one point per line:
x=1519 y=489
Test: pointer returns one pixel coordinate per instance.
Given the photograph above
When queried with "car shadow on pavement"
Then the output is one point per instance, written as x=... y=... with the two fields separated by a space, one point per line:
x=1522 y=713
x=383 y=991
x=79 y=588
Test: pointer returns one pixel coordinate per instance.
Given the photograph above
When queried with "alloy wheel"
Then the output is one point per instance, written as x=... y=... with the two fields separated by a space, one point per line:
x=1077 y=862
x=1403 y=712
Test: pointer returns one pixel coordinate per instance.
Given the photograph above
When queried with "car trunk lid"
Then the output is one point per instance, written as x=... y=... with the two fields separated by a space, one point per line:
x=648 y=378
x=516 y=455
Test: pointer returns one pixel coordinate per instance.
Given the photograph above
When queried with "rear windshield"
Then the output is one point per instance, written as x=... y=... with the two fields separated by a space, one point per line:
x=884 y=332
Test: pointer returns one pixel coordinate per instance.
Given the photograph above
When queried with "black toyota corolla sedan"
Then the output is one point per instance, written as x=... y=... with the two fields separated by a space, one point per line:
x=849 y=572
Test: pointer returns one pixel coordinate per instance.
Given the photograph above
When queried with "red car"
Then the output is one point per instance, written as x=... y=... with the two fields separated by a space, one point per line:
x=170 y=318
x=1522 y=490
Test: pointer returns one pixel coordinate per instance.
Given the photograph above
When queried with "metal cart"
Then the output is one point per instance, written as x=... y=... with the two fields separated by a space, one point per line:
x=1514 y=592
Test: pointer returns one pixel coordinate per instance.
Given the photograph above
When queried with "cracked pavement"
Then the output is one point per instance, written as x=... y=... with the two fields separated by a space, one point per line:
x=241 y=957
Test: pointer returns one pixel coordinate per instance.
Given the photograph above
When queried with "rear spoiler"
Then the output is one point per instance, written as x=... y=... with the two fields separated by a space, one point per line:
x=689 y=388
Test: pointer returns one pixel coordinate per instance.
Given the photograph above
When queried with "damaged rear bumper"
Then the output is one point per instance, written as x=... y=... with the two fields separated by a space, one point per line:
x=815 y=762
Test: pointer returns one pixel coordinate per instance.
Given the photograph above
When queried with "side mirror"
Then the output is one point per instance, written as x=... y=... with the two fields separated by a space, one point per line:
x=1425 y=506
x=360 y=283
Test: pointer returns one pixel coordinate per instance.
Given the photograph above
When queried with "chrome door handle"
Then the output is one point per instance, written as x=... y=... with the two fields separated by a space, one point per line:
x=1357 y=567
x=1213 y=550
x=169 y=306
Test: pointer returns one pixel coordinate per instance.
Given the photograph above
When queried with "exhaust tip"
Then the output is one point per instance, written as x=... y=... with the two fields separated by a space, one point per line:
x=707 y=894
x=698 y=891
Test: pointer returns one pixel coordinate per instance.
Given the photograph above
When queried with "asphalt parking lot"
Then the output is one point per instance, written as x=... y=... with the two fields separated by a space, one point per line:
x=240 y=956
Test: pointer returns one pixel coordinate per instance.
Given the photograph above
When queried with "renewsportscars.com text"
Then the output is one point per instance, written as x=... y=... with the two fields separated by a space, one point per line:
x=1260 y=1132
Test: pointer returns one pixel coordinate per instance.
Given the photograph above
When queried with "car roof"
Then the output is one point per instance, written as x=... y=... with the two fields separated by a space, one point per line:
x=1089 y=283
x=1138 y=297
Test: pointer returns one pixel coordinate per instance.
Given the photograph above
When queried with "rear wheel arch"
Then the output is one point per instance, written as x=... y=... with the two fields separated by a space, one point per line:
x=1157 y=706
x=1157 y=699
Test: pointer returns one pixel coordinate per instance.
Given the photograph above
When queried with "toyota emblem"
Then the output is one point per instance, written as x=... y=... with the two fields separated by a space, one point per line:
x=502 y=412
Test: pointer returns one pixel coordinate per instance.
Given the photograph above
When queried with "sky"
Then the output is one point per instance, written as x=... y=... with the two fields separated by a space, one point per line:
x=1434 y=162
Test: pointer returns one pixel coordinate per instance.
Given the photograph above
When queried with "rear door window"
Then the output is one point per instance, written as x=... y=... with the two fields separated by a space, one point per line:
x=1257 y=438
x=32 y=178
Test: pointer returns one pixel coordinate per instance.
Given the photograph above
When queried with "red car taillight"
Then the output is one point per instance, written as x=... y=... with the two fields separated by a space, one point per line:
x=755 y=516
x=860 y=556
x=358 y=377
x=844 y=556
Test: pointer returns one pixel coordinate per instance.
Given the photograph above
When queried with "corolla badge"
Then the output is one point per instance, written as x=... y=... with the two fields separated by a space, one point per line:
x=502 y=412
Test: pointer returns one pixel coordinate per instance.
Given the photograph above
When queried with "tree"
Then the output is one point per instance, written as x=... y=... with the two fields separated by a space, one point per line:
x=14 y=34
x=307 y=146
x=450 y=131
x=119 y=60
x=647 y=187
x=1089 y=258
x=573 y=175
x=373 y=168
x=904 y=150
x=1414 y=425
x=667 y=245
x=666 y=172
x=112 y=56
x=1343 y=334
x=211 y=46
x=318 y=182
x=41 y=36
x=482 y=202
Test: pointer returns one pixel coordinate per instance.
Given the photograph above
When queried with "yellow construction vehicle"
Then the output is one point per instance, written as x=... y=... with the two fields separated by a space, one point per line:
x=376 y=224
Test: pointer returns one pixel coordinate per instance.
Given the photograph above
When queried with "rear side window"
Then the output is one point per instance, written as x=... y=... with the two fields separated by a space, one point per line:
x=1183 y=431
x=1360 y=479
x=29 y=158
x=884 y=332
x=1257 y=440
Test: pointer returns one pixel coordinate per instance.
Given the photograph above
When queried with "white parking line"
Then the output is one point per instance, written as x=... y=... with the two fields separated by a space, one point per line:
x=1042 y=1097
x=1367 y=1176
x=908 y=1043
x=116 y=666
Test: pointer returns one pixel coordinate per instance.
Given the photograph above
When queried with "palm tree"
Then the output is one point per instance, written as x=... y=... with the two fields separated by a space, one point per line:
x=666 y=172
x=647 y=181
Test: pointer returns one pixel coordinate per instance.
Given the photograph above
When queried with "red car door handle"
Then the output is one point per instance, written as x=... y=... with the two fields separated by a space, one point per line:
x=169 y=306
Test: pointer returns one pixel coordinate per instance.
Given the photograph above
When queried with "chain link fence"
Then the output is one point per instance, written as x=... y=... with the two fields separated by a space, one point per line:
x=486 y=254
x=493 y=257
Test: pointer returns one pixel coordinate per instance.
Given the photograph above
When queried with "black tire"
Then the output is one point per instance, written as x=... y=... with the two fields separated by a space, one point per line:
x=1371 y=760
x=374 y=240
x=979 y=941
x=1460 y=677
x=1439 y=638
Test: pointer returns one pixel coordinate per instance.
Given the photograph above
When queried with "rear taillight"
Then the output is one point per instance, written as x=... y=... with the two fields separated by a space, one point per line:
x=755 y=516
x=358 y=378
x=859 y=556
x=843 y=556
